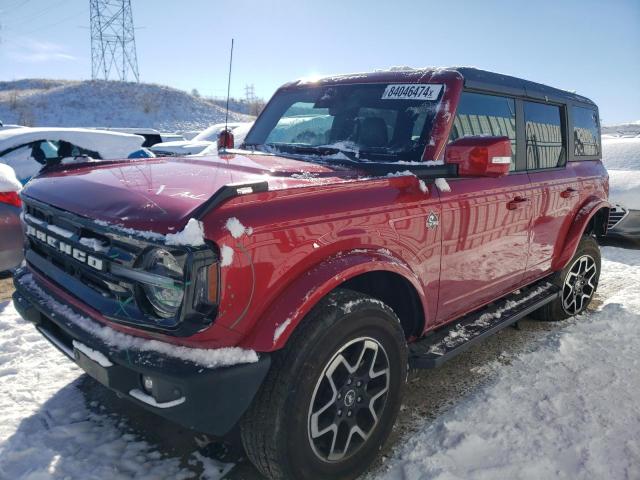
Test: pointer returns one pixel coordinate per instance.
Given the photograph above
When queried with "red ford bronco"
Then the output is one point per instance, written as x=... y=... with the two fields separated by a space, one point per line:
x=369 y=223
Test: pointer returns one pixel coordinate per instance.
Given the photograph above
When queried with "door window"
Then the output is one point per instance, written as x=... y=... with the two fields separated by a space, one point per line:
x=544 y=135
x=586 y=132
x=480 y=114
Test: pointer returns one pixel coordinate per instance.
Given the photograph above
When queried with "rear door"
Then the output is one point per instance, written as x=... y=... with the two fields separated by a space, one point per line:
x=485 y=221
x=556 y=189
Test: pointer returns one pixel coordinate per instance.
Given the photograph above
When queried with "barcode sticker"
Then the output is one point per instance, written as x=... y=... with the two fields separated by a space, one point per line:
x=407 y=91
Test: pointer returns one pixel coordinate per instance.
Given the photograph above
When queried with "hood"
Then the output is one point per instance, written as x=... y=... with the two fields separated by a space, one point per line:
x=160 y=194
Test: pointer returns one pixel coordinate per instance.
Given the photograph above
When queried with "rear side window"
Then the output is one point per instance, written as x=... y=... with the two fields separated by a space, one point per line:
x=586 y=132
x=480 y=114
x=544 y=136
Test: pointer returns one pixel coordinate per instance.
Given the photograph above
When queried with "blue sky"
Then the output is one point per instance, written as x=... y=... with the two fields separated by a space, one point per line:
x=588 y=46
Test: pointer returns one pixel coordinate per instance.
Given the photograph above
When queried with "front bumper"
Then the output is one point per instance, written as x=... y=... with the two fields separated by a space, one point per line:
x=210 y=400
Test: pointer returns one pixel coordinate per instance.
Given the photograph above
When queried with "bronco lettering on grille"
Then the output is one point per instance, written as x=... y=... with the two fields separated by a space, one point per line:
x=65 y=248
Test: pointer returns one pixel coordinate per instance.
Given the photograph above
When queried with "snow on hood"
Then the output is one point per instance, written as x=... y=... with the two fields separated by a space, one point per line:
x=8 y=180
x=110 y=145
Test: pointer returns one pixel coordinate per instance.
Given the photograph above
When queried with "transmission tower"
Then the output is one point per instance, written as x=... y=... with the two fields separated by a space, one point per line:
x=113 y=42
x=250 y=93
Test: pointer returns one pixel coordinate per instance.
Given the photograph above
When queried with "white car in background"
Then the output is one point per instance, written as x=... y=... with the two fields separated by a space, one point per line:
x=621 y=156
x=239 y=134
x=29 y=150
x=204 y=139
x=151 y=135
x=4 y=126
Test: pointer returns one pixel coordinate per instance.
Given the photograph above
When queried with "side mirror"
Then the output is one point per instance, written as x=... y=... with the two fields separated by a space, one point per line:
x=225 y=140
x=480 y=156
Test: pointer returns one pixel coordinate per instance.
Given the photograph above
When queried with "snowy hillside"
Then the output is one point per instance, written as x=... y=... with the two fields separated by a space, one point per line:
x=622 y=129
x=63 y=103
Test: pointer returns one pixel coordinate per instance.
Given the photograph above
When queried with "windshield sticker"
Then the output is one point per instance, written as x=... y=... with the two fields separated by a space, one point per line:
x=412 y=92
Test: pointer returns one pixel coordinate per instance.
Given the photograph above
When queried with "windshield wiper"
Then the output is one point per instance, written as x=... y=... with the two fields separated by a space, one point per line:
x=304 y=149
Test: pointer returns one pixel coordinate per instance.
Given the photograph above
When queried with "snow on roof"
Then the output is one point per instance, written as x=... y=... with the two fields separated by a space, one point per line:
x=109 y=145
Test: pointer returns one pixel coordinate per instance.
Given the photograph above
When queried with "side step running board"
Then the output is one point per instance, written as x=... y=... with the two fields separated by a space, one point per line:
x=442 y=345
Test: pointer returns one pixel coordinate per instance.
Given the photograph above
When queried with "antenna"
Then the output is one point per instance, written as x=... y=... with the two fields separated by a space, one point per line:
x=226 y=115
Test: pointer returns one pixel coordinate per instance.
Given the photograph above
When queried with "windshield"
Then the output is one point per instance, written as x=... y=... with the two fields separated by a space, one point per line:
x=387 y=122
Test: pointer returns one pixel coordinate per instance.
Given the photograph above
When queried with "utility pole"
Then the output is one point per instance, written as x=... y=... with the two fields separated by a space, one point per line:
x=113 y=42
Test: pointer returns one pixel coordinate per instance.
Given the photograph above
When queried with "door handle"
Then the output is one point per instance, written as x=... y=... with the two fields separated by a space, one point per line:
x=569 y=192
x=518 y=202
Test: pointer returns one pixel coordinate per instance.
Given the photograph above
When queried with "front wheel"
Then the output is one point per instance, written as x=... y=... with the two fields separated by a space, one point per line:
x=333 y=393
x=578 y=283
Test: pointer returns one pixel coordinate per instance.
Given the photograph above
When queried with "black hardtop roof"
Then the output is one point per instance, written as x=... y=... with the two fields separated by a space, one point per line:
x=474 y=78
x=485 y=80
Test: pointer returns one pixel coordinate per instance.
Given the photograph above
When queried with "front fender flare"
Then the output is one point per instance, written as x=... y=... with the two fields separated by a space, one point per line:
x=281 y=318
x=589 y=208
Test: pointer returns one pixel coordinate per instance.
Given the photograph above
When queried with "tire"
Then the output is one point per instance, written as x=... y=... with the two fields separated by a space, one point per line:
x=284 y=432
x=587 y=257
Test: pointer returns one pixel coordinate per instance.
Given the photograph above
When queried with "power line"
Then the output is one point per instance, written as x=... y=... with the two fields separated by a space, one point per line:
x=113 y=43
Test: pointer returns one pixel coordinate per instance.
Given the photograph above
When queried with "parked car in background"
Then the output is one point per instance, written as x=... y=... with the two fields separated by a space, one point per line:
x=29 y=150
x=151 y=135
x=11 y=239
x=621 y=156
x=194 y=146
x=4 y=126
x=188 y=134
x=239 y=134
x=288 y=287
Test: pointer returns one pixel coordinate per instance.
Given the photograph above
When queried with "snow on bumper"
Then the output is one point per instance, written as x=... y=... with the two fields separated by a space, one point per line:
x=207 y=399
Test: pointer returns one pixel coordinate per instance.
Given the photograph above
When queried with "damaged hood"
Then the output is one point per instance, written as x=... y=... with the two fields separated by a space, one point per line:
x=160 y=194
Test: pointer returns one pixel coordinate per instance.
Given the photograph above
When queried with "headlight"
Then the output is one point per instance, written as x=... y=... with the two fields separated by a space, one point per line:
x=164 y=296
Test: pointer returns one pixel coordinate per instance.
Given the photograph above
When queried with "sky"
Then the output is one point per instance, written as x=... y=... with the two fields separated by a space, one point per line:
x=591 y=47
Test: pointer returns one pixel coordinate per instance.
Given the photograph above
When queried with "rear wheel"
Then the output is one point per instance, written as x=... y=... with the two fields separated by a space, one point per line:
x=578 y=282
x=333 y=393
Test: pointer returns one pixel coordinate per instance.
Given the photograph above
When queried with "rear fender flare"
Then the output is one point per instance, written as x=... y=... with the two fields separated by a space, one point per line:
x=587 y=211
x=281 y=317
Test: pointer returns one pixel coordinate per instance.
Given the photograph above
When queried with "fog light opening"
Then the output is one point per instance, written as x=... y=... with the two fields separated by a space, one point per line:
x=147 y=384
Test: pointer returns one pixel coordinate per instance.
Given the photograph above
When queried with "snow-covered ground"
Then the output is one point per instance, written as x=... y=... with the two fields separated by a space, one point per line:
x=569 y=409
x=566 y=409
x=63 y=103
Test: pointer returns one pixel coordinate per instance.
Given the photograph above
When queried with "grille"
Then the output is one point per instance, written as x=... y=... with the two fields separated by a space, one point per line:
x=616 y=214
x=77 y=233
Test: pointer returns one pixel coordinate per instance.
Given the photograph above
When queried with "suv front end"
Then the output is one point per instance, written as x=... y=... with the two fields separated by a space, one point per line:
x=125 y=306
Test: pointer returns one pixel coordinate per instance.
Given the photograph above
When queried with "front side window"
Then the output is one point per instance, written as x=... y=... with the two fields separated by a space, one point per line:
x=586 y=132
x=481 y=115
x=383 y=122
x=544 y=136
